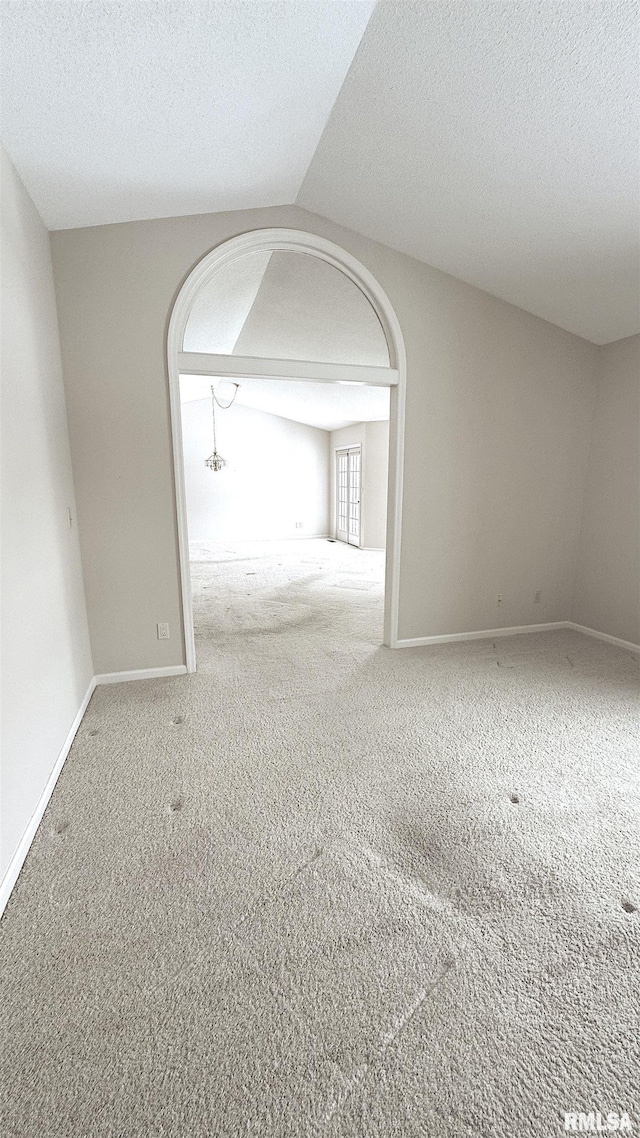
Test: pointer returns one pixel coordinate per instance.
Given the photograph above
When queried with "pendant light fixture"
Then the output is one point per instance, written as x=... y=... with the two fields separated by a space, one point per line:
x=215 y=461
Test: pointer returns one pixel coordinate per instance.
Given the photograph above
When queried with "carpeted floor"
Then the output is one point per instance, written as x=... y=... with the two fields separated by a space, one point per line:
x=324 y=889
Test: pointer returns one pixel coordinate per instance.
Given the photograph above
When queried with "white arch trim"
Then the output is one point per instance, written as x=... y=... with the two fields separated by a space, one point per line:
x=292 y=241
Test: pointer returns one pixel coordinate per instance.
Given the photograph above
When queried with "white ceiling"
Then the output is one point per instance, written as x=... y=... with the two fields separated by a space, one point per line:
x=498 y=141
x=221 y=307
x=495 y=140
x=325 y=405
x=306 y=309
x=285 y=305
x=117 y=110
x=289 y=306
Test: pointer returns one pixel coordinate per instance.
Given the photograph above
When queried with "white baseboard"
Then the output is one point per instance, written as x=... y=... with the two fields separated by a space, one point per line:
x=18 y=859
x=141 y=674
x=215 y=546
x=422 y=641
x=485 y=634
x=628 y=645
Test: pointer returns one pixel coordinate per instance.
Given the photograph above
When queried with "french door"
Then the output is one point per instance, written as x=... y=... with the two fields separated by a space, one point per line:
x=348 y=483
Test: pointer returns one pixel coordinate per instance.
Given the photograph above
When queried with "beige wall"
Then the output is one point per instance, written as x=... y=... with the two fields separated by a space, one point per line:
x=373 y=438
x=375 y=476
x=46 y=662
x=498 y=413
x=607 y=588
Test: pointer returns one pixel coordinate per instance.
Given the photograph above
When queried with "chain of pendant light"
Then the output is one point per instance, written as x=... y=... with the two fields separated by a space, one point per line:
x=215 y=461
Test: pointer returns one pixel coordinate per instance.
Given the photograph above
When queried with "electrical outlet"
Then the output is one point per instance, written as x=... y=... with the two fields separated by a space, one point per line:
x=163 y=632
x=538 y=597
x=299 y=525
x=499 y=599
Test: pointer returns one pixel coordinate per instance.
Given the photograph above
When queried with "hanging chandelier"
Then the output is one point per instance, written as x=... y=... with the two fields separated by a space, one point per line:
x=215 y=461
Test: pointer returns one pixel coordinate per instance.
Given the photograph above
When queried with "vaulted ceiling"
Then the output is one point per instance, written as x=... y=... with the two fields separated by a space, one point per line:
x=116 y=110
x=497 y=141
x=328 y=406
x=287 y=306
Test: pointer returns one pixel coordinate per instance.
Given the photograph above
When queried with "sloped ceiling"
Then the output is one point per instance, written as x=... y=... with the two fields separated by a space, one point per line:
x=117 y=110
x=499 y=142
x=289 y=306
x=306 y=309
x=221 y=308
x=325 y=405
x=286 y=306
x=495 y=140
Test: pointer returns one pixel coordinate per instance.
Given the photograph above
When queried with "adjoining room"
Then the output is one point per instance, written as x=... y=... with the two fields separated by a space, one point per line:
x=296 y=440
x=287 y=529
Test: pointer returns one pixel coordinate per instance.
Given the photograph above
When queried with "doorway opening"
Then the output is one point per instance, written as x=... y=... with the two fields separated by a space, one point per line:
x=284 y=310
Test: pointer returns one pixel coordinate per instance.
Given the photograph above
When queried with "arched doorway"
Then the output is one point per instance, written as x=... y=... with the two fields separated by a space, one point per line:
x=293 y=241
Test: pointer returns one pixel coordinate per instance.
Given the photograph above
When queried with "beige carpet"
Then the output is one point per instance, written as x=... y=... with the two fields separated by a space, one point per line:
x=324 y=889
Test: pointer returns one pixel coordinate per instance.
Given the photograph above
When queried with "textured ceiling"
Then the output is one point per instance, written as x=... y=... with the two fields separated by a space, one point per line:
x=305 y=309
x=325 y=405
x=116 y=111
x=220 y=309
x=282 y=305
x=290 y=306
x=499 y=142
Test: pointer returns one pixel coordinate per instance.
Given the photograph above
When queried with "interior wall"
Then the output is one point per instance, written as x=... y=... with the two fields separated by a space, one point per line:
x=46 y=660
x=607 y=589
x=277 y=474
x=375 y=481
x=498 y=412
x=373 y=438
